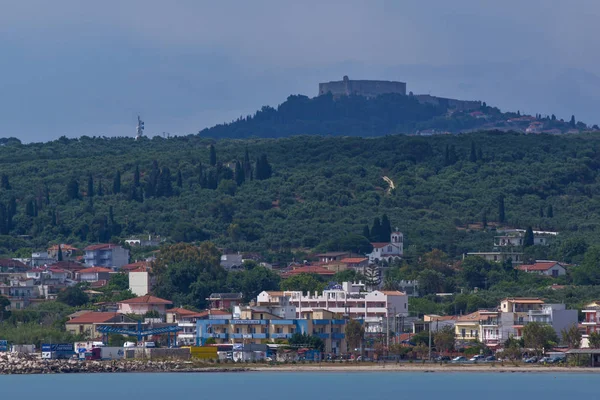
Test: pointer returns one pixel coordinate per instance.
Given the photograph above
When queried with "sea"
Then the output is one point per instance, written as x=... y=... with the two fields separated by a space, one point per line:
x=302 y=385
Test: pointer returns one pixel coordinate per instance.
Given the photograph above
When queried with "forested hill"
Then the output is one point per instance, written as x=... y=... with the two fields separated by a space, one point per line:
x=300 y=192
x=322 y=115
x=383 y=115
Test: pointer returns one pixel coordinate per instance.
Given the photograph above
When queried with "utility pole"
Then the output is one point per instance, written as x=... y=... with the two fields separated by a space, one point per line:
x=429 y=357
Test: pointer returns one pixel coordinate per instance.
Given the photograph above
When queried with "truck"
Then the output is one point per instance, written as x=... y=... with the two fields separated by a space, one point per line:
x=105 y=353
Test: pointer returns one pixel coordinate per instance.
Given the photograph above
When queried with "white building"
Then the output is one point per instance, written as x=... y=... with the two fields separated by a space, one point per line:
x=351 y=300
x=139 y=282
x=543 y=267
x=392 y=250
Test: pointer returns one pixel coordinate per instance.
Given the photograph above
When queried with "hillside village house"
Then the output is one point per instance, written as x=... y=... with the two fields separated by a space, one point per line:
x=142 y=305
x=515 y=238
x=392 y=250
x=68 y=251
x=94 y=274
x=106 y=255
x=225 y=301
x=548 y=268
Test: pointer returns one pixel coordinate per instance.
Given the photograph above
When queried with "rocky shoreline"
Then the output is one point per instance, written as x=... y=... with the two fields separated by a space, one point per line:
x=11 y=364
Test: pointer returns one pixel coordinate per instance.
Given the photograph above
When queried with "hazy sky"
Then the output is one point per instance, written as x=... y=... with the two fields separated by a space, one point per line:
x=72 y=67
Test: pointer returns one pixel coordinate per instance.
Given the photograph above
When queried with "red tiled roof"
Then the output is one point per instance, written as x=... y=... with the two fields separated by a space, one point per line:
x=68 y=265
x=57 y=270
x=94 y=270
x=378 y=245
x=9 y=262
x=353 y=260
x=147 y=299
x=99 y=284
x=63 y=247
x=310 y=269
x=392 y=292
x=102 y=246
x=136 y=265
x=181 y=311
x=93 y=318
x=538 y=266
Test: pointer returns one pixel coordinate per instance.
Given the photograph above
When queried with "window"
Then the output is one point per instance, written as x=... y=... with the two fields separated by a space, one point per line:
x=554 y=273
x=389 y=249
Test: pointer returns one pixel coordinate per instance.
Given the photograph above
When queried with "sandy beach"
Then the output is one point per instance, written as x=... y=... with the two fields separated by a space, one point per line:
x=506 y=368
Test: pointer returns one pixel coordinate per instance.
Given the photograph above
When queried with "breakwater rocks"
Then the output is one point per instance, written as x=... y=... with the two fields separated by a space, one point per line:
x=28 y=364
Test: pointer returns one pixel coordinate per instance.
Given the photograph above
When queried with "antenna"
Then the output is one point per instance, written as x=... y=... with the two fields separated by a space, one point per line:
x=139 y=128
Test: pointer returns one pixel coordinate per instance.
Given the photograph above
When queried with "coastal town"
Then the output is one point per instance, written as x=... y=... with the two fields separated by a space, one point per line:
x=360 y=321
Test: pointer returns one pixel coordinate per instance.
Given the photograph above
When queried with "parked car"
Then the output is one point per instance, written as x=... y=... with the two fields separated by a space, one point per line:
x=442 y=358
x=459 y=359
x=477 y=357
x=546 y=360
x=490 y=358
x=531 y=360
x=556 y=360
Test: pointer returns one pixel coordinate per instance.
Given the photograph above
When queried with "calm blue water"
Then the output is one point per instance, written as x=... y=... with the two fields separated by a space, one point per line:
x=301 y=385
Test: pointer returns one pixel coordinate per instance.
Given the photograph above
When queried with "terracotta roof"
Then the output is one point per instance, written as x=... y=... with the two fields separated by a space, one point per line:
x=68 y=265
x=181 y=311
x=392 y=292
x=99 y=284
x=378 y=245
x=102 y=246
x=274 y=293
x=136 y=265
x=310 y=269
x=147 y=299
x=524 y=300
x=538 y=266
x=9 y=262
x=140 y=269
x=63 y=247
x=93 y=318
x=94 y=270
x=354 y=260
x=57 y=270
x=332 y=254
x=474 y=316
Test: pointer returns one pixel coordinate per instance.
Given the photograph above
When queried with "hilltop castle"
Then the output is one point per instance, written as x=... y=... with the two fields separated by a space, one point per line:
x=370 y=88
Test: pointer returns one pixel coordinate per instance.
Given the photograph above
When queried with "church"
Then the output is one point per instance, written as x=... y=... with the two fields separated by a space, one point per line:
x=392 y=250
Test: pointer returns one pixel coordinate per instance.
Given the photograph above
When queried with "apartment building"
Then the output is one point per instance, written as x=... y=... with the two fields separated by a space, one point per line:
x=256 y=326
x=106 y=255
x=351 y=300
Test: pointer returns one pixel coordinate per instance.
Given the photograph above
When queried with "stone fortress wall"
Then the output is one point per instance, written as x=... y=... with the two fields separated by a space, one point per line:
x=369 y=88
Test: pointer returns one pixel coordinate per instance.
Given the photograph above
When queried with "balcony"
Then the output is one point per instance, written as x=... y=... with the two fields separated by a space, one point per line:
x=216 y=335
x=259 y=336
x=321 y=335
x=338 y=335
x=338 y=322
x=320 y=322
x=282 y=322
x=280 y=335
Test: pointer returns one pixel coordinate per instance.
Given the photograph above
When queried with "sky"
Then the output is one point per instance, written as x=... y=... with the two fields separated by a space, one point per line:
x=73 y=68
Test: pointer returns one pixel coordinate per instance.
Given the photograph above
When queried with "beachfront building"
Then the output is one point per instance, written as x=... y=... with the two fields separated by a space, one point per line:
x=351 y=300
x=255 y=327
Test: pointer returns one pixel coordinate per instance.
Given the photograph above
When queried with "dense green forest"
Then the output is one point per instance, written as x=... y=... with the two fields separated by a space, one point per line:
x=278 y=195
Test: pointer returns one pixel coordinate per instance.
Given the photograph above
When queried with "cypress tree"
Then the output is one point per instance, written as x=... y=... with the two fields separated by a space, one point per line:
x=541 y=212
x=484 y=219
x=179 y=179
x=136 y=176
x=3 y=220
x=240 y=176
x=90 y=188
x=117 y=182
x=213 y=156
x=473 y=156
x=73 y=189
x=263 y=168
x=59 y=256
x=479 y=154
x=550 y=212
x=528 y=239
x=376 y=230
x=247 y=165
x=386 y=228
x=4 y=183
x=501 y=211
x=100 y=190
x=572 y=121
